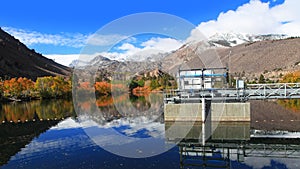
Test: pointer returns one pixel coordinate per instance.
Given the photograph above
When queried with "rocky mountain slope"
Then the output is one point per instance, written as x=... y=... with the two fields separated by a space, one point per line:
x=16 y=60
x=234 y=39
x=269 y=55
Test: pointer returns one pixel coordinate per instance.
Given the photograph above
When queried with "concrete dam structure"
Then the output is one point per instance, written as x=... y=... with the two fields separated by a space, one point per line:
x=204 y=94
x=224 y=112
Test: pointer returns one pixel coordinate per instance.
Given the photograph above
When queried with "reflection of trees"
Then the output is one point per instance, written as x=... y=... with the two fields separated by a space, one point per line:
x=107 y=108
x=14 y=136
x=44 y=109
x=140 y=103
x=291 y=104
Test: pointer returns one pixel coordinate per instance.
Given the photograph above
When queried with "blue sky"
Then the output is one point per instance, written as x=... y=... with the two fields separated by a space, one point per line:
x=60 y=27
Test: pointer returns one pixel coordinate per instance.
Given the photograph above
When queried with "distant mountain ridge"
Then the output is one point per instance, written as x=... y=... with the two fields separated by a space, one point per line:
x=17 y=60
x=234 y=39
x=271 y=55
x=268 y=57
x=218 y=40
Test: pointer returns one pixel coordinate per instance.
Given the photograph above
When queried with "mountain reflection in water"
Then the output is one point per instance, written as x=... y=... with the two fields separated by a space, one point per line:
x=63 y=143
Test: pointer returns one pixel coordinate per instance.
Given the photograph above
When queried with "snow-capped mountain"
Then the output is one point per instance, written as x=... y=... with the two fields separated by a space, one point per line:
x=218 y=40
x=234 y=39
x=98 y=60
x=76 y=63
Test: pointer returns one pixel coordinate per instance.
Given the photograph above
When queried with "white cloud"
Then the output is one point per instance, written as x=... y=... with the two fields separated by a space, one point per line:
x=163 y=44
x=66 y=59
x=129 y=48
x=70 y=123
x=150 y=47
x=27 y=37
x=76 y=40
x=63 y=59
x=256 y=17
x=104 y=40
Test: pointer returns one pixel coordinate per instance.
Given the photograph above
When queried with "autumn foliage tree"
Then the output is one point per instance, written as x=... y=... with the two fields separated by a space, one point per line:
x=53 y=87
x=103 y=88
x=291 y=77
x=291 y=104
x=21 y=87
x=44 y=87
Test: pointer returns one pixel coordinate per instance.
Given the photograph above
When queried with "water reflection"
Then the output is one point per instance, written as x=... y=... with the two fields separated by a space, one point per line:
x=24 y=121
x=235 y=145
x=15 y=136
x=130 y=127
x=36 y=110
x=214 y=131
x=109 y=108
x=63 y=143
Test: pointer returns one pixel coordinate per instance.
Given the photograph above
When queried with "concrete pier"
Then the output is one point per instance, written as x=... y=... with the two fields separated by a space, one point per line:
x=224 y=112
x=213 y=131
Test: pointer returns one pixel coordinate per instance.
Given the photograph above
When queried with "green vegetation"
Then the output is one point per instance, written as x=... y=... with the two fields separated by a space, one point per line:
x=154 y=84
x=160 y=82
x=136 y=83
x=53 y=87
x=261 y=79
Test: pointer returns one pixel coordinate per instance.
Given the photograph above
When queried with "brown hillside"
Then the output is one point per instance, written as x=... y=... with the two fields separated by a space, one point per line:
x=265 y=56
x=16 y=60
x=269 y=57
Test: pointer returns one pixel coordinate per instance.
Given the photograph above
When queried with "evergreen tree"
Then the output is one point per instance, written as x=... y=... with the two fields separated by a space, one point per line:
x=261 y=79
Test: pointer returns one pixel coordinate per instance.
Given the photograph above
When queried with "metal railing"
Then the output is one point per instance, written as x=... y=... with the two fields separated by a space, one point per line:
x=251 y=92
x=275 y=90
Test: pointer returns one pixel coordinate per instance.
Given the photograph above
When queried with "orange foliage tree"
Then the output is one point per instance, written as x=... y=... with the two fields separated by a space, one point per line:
x=141 y=91
x=291 y=77
x=21 y=87
x=103 y=88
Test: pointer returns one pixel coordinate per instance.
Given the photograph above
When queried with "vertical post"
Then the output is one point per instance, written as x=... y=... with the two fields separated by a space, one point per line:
x=203 y=134
x=206 y=119
x=203 y=110
x=179 y=79
x=238 y=89
x=180 y=156
x=226 y=75
x=285 y=90
x=202 y=79
x=264 y=91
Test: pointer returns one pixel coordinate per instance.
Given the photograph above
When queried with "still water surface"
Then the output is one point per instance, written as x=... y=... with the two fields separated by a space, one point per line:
x=49 y=134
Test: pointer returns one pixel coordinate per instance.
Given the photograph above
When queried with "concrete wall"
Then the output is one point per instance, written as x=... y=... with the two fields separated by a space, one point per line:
x=219 y=112
x=176 y=131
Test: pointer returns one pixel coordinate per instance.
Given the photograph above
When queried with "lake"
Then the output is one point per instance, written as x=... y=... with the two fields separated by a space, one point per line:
x=123 y=132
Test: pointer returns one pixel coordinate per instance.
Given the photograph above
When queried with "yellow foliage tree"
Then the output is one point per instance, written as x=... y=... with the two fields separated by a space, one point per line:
x=292 y=104
x=291 y=77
